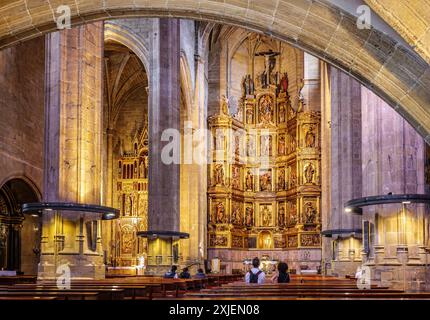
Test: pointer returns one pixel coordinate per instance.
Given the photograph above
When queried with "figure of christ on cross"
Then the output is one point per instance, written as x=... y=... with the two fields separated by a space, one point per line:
x=269 y=65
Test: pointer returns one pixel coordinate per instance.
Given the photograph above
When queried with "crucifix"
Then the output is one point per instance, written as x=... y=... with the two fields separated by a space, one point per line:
x=269 y=65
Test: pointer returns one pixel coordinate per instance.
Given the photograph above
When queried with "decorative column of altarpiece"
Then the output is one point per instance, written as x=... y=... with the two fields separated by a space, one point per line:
x=264 y=187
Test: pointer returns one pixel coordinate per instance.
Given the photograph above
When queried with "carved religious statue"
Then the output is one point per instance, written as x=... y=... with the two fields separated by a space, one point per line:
x=269 y=66
x=225 y=106
x=249 y=213
x=128 y=205
x=220 y=213
x=219 y=174
x=281 y=180
x=219 y=140
x=248 y=85
x=266 y=216
x=282 y=113
x=249 y=181
x=283 y=83
x=236 y=145
x=266 y=145
x=281 y=216
x=141 y=169
x=236 y=178
x=236 y=215
x=250 y=147
x=281 y=145
x=127 y=240
x=310 y=213
x=309 y=173
x=249 y=116
x=310 y=138
x=266 y=182
x=266 y=109
x=293 y=214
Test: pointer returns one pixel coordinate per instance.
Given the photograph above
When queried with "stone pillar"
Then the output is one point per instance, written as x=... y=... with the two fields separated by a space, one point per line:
x=193 y=179
x=164 y=113
x=326 y=165
x=311 y=83
x=393 y=162
x=73 y=134
x=345 y=170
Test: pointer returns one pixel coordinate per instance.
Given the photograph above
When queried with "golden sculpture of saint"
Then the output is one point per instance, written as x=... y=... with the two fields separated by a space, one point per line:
x=224 y=106
x=249 y=181
x=310 y=138
x=267 y=216
x=220 y=213
x=281 y=145
x=309 y=173
x=266 y=109
x=249 y=216
x=219 y=174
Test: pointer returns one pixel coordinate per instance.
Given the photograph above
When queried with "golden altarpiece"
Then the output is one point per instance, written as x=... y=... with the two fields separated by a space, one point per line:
x=132 y=200
x=264 y=193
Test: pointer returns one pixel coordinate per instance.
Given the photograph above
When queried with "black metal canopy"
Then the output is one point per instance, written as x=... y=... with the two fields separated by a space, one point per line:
x=329 y=233
x=108 y=213
x=354 y=206
x=163 y=234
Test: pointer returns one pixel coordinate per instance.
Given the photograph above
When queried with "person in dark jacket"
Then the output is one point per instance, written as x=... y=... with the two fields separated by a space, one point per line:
x=172 y=273
x=282 y=276
x=200 y=274
x=185 y=274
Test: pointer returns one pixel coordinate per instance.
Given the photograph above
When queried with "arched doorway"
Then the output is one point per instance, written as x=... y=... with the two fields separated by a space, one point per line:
x=127 y=147
x=19 y=234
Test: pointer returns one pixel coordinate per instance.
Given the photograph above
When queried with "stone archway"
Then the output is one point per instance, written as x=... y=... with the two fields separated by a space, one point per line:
x=397 y=74
x=19 y=235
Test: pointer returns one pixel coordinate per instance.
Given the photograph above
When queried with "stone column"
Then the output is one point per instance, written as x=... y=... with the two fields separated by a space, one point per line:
x=393 y=162
x=345 y=168
x=164 y=113
x=326 y=164
x=311 y=83
x=194 y=175
x=73 y=134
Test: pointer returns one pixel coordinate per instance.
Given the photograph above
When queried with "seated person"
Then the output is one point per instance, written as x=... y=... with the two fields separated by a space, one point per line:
x=200 y=274
x=172 y=273
x=255 y=275
x=282 y=275
x=185 y=274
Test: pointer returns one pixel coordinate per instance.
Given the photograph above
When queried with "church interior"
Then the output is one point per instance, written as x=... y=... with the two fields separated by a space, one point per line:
x=134 y=144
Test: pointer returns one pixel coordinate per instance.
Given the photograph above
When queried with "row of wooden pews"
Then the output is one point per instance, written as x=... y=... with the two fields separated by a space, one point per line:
x=113 y=288
x=302 y=288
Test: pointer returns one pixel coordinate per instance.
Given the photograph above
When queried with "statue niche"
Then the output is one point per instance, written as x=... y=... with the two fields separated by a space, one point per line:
x=310 y=138
x=219 y=175
x=266 y=181
x=310 y=213
x=250 y=146
x=220 y=213
x=281 y=145
x=309 y=173
x=266 y=145
x=249 y=216
x=249 y=181
x=281 y=216
x=281 y=180
x=266 y=109
x=266 y=216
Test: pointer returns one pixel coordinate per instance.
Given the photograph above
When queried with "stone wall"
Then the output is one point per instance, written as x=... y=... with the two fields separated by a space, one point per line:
x=22 y=76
